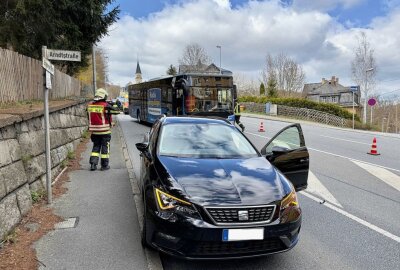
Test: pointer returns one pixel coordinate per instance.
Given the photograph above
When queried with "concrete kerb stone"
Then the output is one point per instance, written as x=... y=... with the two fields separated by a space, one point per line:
x=152 y=257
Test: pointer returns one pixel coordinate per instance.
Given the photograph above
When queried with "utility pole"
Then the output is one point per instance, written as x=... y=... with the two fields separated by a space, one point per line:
x=94 y=68
x=220 y=65
x=94 y=60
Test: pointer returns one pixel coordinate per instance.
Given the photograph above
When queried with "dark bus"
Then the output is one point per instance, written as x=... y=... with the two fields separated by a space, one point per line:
x=183 y=94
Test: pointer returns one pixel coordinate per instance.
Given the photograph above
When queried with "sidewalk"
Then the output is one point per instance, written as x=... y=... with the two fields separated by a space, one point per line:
x=106 y=233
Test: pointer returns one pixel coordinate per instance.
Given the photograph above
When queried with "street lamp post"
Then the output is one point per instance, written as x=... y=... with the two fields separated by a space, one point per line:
x=397 y=123
x=94 y=67
x=365 y=98
x=353 y=109
x=220 y=66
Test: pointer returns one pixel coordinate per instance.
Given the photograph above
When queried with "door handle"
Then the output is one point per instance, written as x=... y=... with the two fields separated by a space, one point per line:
x=304 y=160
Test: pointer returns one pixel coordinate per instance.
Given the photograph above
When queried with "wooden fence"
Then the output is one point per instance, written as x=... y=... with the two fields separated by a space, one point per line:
x=21 y=78
x=300 y=113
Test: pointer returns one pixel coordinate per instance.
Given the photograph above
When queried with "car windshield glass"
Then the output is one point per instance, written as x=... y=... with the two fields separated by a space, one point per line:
x=204 y=140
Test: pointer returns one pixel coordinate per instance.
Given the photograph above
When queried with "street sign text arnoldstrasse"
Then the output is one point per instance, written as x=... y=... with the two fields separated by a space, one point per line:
x=63 y=55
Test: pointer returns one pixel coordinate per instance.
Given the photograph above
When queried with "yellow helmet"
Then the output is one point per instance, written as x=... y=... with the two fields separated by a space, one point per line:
x=100 y=94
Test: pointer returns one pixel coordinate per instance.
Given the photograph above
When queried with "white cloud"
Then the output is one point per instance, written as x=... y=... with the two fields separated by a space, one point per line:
x=246 y=34
x=324 y=5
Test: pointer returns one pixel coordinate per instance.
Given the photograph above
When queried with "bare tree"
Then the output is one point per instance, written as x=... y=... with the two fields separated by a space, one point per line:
x=245 y=85
x=287 y=73
x=363 y=68
x=194 y=55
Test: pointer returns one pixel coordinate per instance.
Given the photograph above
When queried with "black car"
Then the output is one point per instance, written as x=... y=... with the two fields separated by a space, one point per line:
x=208 y=193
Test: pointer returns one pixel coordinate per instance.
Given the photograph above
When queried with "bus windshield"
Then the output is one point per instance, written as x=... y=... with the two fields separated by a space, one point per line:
x=209 y=99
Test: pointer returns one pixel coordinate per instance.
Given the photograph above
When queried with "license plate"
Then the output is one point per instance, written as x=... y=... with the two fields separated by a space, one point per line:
x=242 y=234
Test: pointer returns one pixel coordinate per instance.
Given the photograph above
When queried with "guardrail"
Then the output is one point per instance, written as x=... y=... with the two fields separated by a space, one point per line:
x=300 y=113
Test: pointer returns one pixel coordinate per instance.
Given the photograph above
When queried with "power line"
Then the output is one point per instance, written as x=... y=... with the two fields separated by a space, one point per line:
x=390 y=80
x=390 y=92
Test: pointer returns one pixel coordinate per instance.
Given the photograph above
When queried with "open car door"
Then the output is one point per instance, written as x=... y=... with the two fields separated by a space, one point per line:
x=288 y=152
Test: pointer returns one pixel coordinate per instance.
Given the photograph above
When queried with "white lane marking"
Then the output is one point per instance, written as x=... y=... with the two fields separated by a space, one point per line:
x=357 y=219
x=317 y=188
x=258 y=135
x=353 y=159
x=345 y=140
x=336 y=155
x=386 y=176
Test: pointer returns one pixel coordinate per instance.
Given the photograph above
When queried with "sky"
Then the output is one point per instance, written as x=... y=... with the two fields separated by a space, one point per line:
x=320 y=35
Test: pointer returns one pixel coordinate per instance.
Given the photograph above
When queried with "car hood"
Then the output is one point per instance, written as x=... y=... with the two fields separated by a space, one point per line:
x=249 y=181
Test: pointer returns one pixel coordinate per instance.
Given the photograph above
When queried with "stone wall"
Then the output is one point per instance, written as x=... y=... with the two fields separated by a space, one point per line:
x=22 y=155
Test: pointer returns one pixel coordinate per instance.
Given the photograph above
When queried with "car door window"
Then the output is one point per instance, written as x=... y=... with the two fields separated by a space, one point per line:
x=152 y=135
x=288 y=139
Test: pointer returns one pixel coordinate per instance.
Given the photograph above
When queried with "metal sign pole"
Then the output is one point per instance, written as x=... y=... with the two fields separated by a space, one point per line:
x=47 y=133
x=371 y=116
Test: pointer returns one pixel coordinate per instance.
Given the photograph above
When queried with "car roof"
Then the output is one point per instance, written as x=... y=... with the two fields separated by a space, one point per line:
x=194 y=120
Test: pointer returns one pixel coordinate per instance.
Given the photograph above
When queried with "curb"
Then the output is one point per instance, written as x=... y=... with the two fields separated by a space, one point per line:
x=152 y=257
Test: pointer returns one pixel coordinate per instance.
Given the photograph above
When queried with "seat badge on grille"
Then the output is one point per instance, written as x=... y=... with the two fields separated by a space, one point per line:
x=243 y=215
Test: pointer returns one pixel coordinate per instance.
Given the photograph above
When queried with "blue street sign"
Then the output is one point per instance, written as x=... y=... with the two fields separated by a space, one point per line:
x=354 y=88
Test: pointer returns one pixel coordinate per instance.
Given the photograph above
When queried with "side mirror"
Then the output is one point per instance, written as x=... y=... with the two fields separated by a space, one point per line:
x=142 y=147
x=276 y=152
x=279 y=150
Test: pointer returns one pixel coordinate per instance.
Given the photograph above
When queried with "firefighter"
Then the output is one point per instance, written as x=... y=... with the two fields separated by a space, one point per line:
x=100 y=121
x=237 y=116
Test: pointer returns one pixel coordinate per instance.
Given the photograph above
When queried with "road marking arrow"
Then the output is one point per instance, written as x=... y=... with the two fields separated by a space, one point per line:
x=386 y=176
x=318 y=189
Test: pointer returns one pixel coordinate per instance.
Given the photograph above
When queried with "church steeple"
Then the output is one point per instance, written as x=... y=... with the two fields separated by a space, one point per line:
x=138 y=74
x=138 y=68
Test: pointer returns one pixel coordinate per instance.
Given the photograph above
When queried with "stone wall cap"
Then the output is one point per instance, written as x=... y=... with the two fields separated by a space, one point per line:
x=28 y=111
x=9 y=119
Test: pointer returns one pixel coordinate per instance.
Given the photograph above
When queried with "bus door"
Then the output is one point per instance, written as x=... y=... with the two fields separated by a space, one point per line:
x=153 y=104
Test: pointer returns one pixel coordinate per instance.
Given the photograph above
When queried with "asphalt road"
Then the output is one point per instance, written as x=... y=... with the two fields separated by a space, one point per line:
x=358 y=225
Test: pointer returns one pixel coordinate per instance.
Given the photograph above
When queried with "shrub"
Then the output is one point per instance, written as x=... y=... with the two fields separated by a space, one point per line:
x=302 y=103
x=37 y=195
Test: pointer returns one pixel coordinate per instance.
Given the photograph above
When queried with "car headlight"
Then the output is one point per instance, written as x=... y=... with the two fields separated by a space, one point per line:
x=167 y=203
x=290 y=210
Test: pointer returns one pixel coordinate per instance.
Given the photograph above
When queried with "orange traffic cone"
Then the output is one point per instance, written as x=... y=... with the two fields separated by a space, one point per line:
x=373 y=151
x=261 y=129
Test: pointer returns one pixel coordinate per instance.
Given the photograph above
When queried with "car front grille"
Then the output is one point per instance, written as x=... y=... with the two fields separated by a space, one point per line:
x=236 y=248
x=241 y=215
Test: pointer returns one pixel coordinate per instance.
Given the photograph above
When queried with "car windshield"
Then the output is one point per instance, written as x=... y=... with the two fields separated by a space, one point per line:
x=204 y=140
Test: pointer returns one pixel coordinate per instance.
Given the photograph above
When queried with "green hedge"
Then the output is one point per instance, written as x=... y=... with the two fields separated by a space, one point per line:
x=303 y=103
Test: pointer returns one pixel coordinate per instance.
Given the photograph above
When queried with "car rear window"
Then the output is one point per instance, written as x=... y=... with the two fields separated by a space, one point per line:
x=203 y=140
